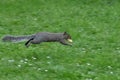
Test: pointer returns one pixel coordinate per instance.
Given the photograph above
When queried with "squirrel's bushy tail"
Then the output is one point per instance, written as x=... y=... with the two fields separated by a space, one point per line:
x=16 y=38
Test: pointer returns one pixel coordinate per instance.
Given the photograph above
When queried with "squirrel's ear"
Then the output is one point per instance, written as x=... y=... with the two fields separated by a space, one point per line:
x=65 y=32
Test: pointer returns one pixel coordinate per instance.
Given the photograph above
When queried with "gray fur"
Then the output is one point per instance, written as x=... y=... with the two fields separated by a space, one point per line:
x=40 y=37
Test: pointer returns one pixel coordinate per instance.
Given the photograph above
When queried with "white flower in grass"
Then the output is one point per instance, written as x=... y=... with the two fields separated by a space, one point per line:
x=19 y=65
x=117 y=48
x=83 y=50
x=118 y=51
x=12 y=60
x=91 y=72
x=21 y=61
x=26 y=59
x=46 y=70
x=35 y=19
x=109 y=67
x=88 y=79
x=39 y=69
x=111 y=72
x=2 y=59
x=30 y=64
x=34 y=58
x=88 y=64
x=48 y=57
x=34 y=68
x=49 y=62
x=25 y=62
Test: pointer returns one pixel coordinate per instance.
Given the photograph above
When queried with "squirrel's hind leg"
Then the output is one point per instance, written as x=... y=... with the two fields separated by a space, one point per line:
x=27 y=44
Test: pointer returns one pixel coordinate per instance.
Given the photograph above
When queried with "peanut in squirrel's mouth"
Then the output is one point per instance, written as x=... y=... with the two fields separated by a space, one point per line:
x=70 y=40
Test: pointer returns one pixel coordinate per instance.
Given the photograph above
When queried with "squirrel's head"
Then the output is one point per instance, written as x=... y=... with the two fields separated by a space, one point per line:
x=67 y=37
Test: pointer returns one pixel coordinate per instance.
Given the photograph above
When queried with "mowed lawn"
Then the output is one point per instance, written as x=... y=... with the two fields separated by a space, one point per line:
x=93 y=24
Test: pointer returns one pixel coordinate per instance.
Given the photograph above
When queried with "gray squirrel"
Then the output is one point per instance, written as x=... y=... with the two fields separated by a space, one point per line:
x=41 y=37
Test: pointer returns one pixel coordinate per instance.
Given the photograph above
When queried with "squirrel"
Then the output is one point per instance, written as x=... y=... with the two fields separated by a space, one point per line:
x=41 y=37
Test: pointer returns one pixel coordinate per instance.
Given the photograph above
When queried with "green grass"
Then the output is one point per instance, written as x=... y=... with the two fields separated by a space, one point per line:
x=93 y=24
